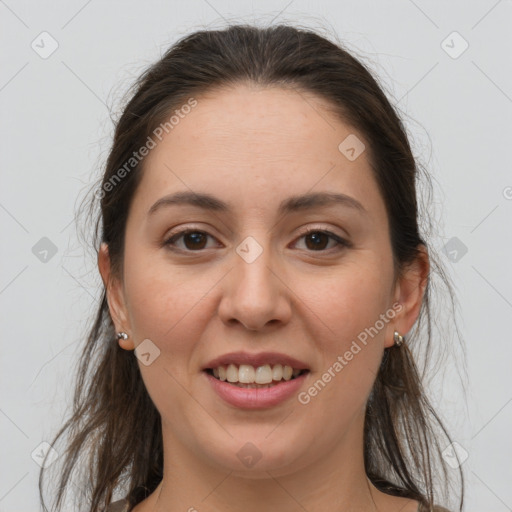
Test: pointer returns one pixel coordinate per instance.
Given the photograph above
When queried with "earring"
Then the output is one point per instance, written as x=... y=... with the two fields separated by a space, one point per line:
x=399 y=339
x=122 y=335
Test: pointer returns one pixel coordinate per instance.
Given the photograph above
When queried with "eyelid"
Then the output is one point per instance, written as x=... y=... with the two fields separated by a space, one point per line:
x=341 y=241
x=182 y=232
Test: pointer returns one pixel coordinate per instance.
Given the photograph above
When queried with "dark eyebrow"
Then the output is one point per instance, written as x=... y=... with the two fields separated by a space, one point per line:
x=204 y=201
x=308 y=201
x=292 y=204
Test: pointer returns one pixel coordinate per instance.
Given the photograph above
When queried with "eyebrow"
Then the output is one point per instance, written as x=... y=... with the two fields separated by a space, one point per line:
x=290 y=205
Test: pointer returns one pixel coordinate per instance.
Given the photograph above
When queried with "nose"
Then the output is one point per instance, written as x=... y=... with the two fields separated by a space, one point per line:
x=255 y=293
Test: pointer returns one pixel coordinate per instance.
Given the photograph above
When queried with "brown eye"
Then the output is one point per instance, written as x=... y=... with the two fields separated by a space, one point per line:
x=193 y=240
x=318 y=240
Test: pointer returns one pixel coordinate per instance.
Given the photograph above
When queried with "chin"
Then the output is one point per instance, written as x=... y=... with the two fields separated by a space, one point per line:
x=258 y=455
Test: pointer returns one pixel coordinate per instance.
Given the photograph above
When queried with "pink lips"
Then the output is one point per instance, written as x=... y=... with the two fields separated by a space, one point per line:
x=256 y=398
x=256 y=360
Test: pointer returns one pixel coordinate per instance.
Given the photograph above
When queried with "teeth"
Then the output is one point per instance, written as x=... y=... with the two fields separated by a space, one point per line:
x=247 y=374
x=232 y=373
x=277 y=372
x=263 y=375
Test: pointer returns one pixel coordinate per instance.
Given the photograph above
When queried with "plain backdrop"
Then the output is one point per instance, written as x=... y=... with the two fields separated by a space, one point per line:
x=65 y=65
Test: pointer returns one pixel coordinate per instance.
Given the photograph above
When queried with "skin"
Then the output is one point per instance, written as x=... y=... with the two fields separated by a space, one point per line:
x=254 y=147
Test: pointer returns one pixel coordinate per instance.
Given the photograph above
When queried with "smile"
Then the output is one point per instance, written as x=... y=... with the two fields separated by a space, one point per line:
x=252 y=395
x=246 y=375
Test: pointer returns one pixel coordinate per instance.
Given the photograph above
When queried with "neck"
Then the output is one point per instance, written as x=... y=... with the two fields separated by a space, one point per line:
x=329 y=482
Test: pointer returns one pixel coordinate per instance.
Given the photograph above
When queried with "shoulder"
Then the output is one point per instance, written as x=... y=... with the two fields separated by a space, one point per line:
x=118 y=506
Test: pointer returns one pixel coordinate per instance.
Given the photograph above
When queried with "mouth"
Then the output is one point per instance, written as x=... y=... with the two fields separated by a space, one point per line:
x=248 y=376
x=265 y=386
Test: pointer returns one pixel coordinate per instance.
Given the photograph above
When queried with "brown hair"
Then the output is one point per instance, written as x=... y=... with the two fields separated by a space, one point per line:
x=114 y=433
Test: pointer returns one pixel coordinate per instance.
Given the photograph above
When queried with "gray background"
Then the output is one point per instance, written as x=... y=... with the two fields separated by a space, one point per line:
x=55 y=134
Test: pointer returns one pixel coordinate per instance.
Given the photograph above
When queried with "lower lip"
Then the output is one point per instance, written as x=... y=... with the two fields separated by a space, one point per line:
x=256 y=398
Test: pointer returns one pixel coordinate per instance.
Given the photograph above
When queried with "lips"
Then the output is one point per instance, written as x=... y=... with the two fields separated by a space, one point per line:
x=255 y=395
x=255 y=360
x=271 y=395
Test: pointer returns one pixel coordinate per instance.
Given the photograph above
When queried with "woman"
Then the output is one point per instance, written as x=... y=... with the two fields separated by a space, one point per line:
x=263 y=271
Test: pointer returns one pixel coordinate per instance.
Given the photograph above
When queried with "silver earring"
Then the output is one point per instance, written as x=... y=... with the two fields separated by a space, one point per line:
x=122 y=335
x=399 y=339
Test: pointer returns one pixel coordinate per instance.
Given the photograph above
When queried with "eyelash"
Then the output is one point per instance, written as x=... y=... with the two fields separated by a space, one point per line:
x=340 y=242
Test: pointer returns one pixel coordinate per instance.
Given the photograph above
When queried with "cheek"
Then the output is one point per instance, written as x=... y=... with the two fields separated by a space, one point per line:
x=167 y=303
x=352 y=300
x=352 y=318
x=168 y=308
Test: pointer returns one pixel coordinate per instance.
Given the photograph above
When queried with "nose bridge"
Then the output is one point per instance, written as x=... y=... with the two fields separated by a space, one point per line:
x=254 y=295
x=253 y=264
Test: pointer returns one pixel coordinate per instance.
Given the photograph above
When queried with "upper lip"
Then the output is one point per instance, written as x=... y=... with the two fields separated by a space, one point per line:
x=256 y=360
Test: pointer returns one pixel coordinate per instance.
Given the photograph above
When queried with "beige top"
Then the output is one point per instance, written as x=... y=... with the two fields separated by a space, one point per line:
x=122 y=506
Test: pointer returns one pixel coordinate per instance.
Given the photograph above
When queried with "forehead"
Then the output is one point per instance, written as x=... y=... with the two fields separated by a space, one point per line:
x=261 y=122
x=248 y=144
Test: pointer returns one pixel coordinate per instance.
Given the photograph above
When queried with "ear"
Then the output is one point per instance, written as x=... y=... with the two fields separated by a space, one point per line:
x=409 y=291
x=115 y=297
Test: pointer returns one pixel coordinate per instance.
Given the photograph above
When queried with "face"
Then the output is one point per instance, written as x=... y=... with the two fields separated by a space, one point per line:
x=249 y=278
